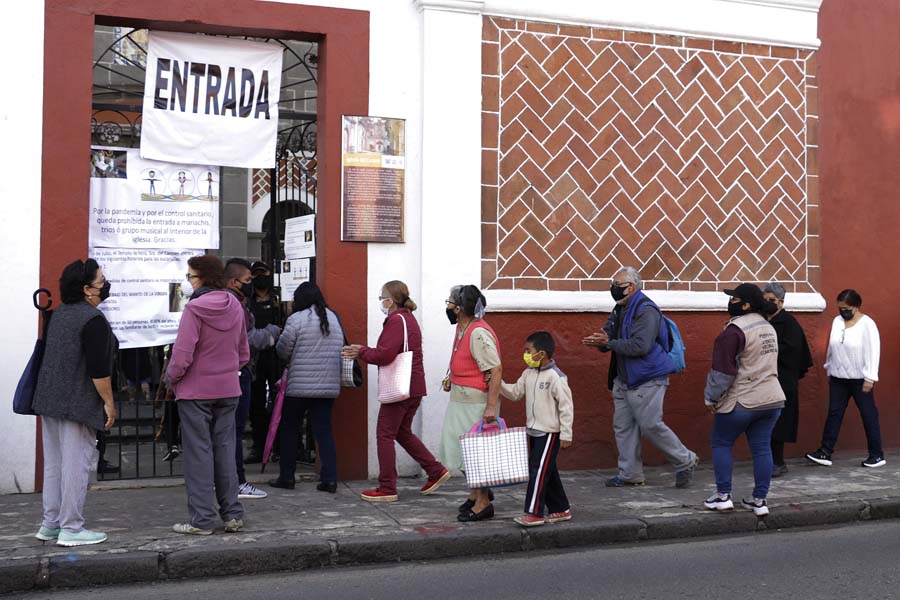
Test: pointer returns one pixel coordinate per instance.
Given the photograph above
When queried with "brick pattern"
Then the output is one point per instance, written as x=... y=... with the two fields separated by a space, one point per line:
x=694 y=160
x=290 y=175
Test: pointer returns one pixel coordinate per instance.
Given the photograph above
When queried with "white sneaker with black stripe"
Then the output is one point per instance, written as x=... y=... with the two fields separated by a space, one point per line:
x=719 y=502
x=250 y=491
x=757 y=505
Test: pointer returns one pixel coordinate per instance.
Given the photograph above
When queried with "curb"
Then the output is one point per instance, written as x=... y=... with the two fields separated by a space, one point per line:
x=77 y=570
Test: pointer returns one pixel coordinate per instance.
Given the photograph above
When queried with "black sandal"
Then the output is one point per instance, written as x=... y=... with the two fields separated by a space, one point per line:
x=471 y=516
x=468 y=504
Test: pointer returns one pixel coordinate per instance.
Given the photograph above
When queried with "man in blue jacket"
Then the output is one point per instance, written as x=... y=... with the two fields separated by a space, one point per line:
x=639 y=371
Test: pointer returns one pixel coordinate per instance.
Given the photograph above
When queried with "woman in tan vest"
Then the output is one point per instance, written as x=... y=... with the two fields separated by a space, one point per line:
x=743 y=393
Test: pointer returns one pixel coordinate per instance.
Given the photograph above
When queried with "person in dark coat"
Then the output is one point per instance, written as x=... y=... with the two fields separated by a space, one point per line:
x=794 y=360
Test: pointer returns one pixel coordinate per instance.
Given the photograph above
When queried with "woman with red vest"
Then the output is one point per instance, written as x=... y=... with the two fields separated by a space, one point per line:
x=474 y=386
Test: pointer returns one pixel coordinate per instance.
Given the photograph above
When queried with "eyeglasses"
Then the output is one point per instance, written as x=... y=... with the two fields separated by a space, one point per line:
x=383 y=298
x=449 y=302
x=188 y=276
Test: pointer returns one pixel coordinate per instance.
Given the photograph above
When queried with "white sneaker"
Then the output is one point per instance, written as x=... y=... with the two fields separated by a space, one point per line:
x=248 y=490
x=719 y=502
x=85 y=537
x=757 y=505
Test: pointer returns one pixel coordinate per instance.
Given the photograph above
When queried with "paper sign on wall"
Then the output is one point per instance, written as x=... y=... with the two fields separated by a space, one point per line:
x=138 y=203
x=300 y=237
x=148 y=293
x=212 y=100
x=293 y=273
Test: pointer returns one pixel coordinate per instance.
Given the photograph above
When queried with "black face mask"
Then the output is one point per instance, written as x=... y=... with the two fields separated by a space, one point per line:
x=262 y=283
x=618 y=292
x=451 y=316
x=736 y=309
x=846 y=314
x=247 y=289
x=104 y=291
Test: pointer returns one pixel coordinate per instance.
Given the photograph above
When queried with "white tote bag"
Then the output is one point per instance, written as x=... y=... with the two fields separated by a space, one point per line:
x=495 y=455
x=394 y=379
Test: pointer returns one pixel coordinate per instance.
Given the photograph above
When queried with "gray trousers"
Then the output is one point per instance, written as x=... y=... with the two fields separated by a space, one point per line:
x=210 y=474
x=70 y=454
x=639 y=412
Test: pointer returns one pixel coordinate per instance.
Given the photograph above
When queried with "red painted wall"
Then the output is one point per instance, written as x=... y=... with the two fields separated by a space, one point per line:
x=343 y=89
x=684 y=410
x=859 y=79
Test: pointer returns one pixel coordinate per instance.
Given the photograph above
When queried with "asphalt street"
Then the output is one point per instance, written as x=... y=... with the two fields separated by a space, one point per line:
x=855 y=561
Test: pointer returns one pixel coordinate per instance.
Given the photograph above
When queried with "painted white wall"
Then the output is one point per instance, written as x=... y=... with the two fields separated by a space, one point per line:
x=777 y=22
x=21 y=50
x=425 y=64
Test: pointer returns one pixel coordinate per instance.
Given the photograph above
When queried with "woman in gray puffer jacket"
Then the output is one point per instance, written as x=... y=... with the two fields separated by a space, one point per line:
x=311 y=346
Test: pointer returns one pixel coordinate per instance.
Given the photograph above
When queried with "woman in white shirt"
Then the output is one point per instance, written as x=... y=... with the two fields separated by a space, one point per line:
x=854 y=349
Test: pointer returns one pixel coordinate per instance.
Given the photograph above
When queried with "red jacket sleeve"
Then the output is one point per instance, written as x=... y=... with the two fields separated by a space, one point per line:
x=390 y=343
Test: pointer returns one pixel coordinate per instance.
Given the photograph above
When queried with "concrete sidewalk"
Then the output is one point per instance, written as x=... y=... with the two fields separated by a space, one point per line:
x=305 y=528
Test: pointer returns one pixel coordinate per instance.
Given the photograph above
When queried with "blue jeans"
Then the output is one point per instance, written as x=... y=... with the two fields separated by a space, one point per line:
x=758 y=425
x=240 y=422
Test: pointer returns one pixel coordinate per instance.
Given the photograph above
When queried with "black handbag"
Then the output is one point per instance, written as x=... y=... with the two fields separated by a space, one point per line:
x=23 y=399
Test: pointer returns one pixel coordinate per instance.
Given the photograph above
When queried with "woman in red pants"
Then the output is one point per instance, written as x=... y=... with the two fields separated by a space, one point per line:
x=395 y=420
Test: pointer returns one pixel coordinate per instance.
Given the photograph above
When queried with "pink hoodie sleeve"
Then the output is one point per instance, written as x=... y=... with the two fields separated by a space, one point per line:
x=243 y=349
x=185 y=342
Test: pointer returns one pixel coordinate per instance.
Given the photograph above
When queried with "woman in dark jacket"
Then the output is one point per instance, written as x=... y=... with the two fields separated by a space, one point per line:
x=74 y=397
x=794 y=360
x=395 y=419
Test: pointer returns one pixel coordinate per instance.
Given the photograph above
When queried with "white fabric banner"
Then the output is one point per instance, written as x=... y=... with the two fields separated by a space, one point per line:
x=147 y=295
x=211 y=100
x=137 y=203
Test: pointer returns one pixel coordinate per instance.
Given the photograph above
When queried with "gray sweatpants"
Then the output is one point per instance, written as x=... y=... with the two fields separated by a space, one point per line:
x=70 y=454
x=210 y=473
x=639 y=412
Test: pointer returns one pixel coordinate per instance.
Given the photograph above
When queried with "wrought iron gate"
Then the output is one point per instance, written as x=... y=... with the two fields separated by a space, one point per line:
x=147 y=427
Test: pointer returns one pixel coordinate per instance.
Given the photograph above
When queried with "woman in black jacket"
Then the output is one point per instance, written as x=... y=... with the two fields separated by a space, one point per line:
x=794 y=360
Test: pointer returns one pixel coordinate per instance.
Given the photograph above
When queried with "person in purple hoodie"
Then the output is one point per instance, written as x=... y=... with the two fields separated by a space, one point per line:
x=208 y=354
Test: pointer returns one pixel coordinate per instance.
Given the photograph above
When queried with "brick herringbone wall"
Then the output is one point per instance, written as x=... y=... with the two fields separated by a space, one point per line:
x=694 y=160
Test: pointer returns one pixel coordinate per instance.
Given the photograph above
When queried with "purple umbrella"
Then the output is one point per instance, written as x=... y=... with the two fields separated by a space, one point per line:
x=276 y=419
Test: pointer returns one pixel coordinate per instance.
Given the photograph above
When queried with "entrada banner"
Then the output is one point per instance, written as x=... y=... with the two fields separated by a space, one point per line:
x=211 y=100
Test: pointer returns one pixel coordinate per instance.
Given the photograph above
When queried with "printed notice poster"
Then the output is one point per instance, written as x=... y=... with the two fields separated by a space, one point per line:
x=300 y=237
x=148 y=293
x=138 y=203
x=373 y=179
x=211 y=99
x=293 y=273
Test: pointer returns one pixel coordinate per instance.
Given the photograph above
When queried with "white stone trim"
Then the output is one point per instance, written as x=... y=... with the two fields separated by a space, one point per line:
x=463 y=6
x=774 y=22
x=538 y=301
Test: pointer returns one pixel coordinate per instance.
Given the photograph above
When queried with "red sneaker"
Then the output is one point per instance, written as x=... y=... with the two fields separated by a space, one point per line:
x=565 y=515
x=529 y=520
x=376 y=495
x=433 y=484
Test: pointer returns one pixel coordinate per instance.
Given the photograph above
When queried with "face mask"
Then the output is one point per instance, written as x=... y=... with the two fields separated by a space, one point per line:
x=735 y=309
x=104 y=291
x=262 y=283
x=529 y=360
x=247 y=289
x=618 y=292
x=846 y=314
x=451 y=316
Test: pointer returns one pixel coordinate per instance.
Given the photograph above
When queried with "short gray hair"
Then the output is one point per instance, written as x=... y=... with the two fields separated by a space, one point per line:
x=632 y=275
x=775 y=288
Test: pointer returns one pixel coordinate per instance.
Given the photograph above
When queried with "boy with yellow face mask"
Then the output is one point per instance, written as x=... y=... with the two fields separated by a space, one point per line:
x=549 y=412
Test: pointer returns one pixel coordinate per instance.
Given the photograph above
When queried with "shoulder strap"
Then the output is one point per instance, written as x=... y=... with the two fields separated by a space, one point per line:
x=405 y=334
